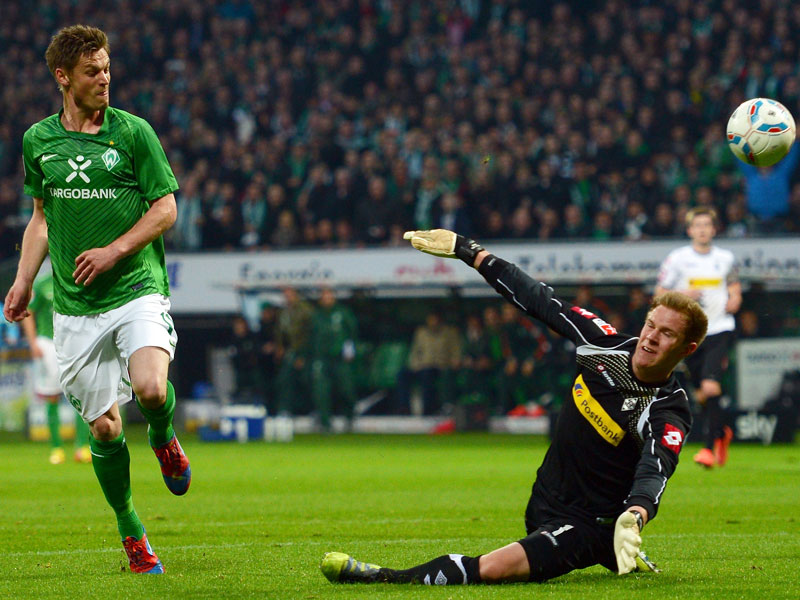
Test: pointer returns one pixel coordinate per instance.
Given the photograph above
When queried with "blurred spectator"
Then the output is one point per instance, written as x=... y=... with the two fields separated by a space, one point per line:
x=292 y=352
x=434 y=353
x=575 y=225
x=749 y=326
x=585 y=298
x=244 y=352
x=635 y=221
x=528 y=346
x=738 y=223
x=333 y=349
x=625 y=105
x=637 y=309
x=187 y=233
x=254 y=214
x=767 y=190
x=475 y=362
x=10 y=333
x=499 y=353
x=452 y=215
x=662 y=224
x=268 y=352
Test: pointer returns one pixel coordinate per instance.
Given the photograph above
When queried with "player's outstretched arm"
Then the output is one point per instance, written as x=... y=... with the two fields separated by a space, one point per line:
x=34 y=249
x=446 y=244
x=159 y=218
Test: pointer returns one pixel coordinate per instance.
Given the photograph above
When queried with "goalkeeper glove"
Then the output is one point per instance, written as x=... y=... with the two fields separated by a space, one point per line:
x=444 y=243
x=626 y=542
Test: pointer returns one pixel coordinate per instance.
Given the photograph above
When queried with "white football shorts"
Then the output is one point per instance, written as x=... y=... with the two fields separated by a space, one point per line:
x=93 y=351
x=45 y=369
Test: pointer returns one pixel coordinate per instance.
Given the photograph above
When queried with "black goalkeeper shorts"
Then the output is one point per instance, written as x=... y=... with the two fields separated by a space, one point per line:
x=559 y=545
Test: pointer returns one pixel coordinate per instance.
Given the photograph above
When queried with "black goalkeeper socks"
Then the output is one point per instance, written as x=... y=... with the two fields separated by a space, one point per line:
x=450 y=569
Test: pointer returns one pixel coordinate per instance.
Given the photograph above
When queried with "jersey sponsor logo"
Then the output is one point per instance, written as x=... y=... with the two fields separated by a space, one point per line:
x=78 y=168
x=604 y=327
x=83 y=193
x=672 y=438
x=110 y=158
x=596 y=414
x=704 y=283
x=46 y=157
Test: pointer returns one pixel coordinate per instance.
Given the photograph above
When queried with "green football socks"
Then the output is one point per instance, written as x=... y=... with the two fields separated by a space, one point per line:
x=111 y=462
x=160 y=419
x=53 y=424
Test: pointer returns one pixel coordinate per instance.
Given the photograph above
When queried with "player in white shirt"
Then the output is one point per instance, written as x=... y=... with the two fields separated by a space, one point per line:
x=707 y=273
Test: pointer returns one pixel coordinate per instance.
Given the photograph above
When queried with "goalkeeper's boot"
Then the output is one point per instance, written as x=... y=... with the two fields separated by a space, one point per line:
x=174 y=466
x=644 y=564
x=141 y=557
x=704 y=458
x=339 y=567
x=721 y=446
x=57 y=456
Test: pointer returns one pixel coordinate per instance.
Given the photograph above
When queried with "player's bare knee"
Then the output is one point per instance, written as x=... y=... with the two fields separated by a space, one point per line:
x=151 y=393
x=491 y=569
x=105 y=429
x=495 y=568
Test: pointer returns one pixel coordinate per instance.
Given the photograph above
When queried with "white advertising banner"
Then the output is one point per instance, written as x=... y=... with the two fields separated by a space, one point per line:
x=760 y=365
x=210 y=283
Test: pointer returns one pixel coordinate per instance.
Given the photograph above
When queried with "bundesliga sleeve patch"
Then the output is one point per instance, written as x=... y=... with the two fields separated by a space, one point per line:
x=673 y=438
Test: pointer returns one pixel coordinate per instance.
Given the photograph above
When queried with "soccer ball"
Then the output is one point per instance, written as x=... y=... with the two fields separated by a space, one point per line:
x=761 y=132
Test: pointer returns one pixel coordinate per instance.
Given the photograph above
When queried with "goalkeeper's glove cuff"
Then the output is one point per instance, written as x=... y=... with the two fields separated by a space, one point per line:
x=467 y=249
x=639 y=519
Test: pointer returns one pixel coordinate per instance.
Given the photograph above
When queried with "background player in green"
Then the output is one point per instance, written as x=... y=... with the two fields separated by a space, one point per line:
x=333 y=333
x=38 y=330
x=102 y=198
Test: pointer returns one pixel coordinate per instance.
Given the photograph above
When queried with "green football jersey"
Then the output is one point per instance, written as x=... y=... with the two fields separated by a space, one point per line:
x=42 y=305
x=95 y=187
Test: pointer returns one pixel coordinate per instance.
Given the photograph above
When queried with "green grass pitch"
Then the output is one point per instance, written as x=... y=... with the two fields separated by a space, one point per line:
x=259 y=517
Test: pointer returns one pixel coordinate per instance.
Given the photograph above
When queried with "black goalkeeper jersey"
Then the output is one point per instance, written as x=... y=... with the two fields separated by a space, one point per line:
x=617 y=439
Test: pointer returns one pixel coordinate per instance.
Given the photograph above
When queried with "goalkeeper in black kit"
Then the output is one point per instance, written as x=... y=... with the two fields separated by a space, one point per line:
x=615 y=445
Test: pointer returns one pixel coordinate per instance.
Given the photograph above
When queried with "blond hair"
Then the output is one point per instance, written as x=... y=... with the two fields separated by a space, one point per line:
x=699 y=211
x=696 y=320
x=71 y=43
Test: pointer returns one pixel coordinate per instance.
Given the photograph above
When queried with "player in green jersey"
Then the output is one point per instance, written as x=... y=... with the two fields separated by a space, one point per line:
x=38 y=330
x=103 y=195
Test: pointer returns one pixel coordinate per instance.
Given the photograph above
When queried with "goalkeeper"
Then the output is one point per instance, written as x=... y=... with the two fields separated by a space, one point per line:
x=615 y=445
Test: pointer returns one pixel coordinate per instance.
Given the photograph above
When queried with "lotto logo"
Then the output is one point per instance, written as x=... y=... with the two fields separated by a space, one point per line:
x=673 y=438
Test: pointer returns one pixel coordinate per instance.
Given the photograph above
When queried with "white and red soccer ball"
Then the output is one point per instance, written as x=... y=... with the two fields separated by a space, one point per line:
x=761 y=132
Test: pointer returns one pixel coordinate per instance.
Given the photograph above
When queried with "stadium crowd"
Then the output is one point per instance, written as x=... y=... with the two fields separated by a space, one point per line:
x=345 y=122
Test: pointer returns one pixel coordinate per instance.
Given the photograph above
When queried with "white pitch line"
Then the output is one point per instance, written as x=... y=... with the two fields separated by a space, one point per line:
x=104 y=550
x=275 y=543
